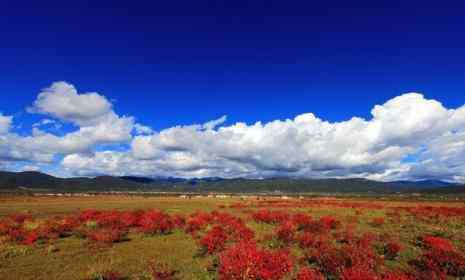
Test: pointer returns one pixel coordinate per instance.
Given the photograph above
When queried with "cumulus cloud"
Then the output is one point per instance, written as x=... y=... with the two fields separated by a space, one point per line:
x=5 y=123
x=309 y=146
x=92 y=113
x=214 y=123
x=62 y=101
x=47 y=123
x=142 y=129
x=407 y=137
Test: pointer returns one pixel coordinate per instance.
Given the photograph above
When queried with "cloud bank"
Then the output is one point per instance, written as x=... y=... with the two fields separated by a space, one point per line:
x=407 y=137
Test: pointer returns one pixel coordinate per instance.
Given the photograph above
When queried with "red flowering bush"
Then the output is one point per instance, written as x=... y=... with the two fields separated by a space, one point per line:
x=179 y=221
x=302 y=221
x=442 y=262
x=6 y=225
x=16 y=235
x=391 y=250
x=358 y=272
x=307 y=240
x=30 y=238
x=323 y=225
x=285 y=232
x=378 y=221
x=270 y=217
x=155 y=221
x=107 y=235
x=69 y=223
x=329 y=222
x=214 y=241
x=398 y=276
x=437 y=243
x=326 y=249
x=439 y=259
x=130 y=219
x=19 y=218
x=88 y=215
x=245 y=261
x=335 y=260
x=197 y=221
x=309 y=274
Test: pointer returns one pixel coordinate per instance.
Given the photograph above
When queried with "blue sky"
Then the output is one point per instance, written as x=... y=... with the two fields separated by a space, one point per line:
x=188 y=63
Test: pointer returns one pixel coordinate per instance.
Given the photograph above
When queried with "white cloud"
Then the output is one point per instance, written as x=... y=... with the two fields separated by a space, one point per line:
x=47 y=123
x=408 y=137
x=309 y=146
x=43 y=122
x=30 y=168
x=92 y=113
x=142 y=129
x=214 y=123
x=5 y=123
x=111 y=130
x=62 y=101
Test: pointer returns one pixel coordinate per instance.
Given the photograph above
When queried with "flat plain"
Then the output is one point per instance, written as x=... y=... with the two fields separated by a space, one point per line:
x=144 y=237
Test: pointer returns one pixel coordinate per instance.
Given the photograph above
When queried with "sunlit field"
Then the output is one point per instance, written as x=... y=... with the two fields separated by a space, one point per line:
x=133 y=237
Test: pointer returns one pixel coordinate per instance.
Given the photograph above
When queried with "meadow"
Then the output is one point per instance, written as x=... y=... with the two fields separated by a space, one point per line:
x=135 y=237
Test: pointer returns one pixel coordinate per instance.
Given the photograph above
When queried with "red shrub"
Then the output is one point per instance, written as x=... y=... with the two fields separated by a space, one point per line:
x=378 y=221
x=19 y=218
x=285 y=232
x=30 y=238
x=155 y=221
x=240 y=232
x=130 y=219
x=6 y=225
x=88 y=215
x=197 y=221
x=69 y=223
x=437 y=243
x=270 y=217
x=109 y=218
x=16 y=234
x=442 y=262
x=245 y=261
x=391 y=250
x=358 y=273
x=329 y=222
x=53 y=229
x=214 y=241
x=309 y=274
x=307 y=240
x=323 y=225
x=107 y=235
x=334 y=260
x=397 y=276
x=179 y=221
x=302 y=221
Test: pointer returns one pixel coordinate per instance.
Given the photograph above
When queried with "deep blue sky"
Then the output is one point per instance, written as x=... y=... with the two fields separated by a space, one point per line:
x=252 y=60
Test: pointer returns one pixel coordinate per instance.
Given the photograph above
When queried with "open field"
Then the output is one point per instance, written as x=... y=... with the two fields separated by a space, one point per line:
x=230 y=238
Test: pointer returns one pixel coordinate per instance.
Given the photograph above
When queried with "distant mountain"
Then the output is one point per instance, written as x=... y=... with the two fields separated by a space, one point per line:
x=141 y=180
x=36 y=181
x=430 y=184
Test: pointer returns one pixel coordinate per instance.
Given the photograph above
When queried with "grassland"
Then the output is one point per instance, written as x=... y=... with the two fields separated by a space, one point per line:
x=75 y=257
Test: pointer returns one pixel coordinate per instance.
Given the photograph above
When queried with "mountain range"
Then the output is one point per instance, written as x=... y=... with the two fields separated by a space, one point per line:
x=40 y=182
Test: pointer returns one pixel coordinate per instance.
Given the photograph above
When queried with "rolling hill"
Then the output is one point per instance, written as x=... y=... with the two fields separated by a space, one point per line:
x=40 y=182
